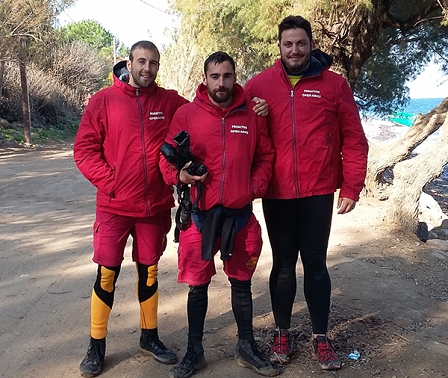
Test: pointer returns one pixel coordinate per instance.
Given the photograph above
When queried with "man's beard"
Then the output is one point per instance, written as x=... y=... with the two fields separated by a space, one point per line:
x=222 y=97
x=297 y=67
x=141 y=83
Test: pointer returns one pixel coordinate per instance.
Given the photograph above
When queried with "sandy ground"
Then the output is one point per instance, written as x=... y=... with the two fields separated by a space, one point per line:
x=389 y=298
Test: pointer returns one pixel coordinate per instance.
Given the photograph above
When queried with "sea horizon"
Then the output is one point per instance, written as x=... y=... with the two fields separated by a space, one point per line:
x=421 y=105
x=414 y=106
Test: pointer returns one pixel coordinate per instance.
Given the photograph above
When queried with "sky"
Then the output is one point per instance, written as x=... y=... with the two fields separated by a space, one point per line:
x=134 y=20
x=129 y=20
x=431 y=83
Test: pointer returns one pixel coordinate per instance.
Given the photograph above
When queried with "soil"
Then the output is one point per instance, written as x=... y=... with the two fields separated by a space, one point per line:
x=389 y=291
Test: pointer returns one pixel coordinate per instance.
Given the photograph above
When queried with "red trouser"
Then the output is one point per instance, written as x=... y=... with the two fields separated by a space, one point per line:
x=111 y=232
x=246 y=251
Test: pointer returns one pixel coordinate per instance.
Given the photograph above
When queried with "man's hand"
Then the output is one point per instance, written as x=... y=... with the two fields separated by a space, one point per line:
x=261 y=107
x=186 y=178
x=345 y=205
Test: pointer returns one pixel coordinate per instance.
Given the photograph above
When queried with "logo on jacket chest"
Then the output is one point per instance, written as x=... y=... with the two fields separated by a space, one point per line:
x=311 y=93
x=239 y=129
x=156 y=115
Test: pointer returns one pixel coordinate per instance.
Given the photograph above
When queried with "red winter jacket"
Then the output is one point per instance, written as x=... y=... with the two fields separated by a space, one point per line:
x=233 y=144
x=117 y=147
x=315 y=129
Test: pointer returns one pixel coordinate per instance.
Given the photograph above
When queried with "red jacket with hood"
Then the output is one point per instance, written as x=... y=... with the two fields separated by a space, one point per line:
x=315 y=129
x=117 y=147
x=232 y=143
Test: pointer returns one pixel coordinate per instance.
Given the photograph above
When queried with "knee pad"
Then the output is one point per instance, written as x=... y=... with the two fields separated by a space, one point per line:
x=104 y=286
x=147 y=284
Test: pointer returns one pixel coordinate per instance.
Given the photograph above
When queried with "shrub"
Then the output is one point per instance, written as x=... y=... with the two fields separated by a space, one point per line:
x=57 y=92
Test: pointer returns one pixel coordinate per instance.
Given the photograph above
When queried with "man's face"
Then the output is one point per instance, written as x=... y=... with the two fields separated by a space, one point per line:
x=219 y=80
x=143 y=68
x=295 y=49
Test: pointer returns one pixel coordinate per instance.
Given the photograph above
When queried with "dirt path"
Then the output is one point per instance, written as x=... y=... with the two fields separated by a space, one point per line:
x=390 y=293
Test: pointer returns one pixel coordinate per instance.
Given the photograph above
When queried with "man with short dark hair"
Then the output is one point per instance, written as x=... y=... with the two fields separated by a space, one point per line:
x=117 y=150
x=232 y=142
x=320 y=146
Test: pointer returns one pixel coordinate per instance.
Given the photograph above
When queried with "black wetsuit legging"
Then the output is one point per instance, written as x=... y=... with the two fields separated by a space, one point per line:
x=300 y=225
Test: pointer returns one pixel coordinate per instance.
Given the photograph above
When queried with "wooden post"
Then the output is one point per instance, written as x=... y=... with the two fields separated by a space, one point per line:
x=2 y=74
x=25 y=97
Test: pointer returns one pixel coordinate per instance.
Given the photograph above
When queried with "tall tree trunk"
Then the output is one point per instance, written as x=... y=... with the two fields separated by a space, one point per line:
x=2 y=75
x=412 y=175
x=25 y=101
x=383 y=156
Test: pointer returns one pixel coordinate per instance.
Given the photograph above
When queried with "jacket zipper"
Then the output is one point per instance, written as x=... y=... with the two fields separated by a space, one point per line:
x=294 y=148
x=224 y=160
x=223 y=128
x=142 y=134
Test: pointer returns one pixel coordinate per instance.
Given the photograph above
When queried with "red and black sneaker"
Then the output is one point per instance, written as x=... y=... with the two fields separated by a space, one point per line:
x=282 y=347
x=324 y=353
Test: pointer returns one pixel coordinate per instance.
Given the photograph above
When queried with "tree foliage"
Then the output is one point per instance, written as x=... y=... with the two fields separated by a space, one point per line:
x=96 y=36
x=183 y=55
x=27 y=22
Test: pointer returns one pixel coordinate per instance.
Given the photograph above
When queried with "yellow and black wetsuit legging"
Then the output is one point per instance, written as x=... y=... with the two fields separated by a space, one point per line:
x=102 y=300
x=103 y=297
x=148 y=295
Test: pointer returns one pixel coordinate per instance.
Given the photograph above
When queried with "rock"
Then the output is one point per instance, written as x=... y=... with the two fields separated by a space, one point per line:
x=442 y=230
x=430 y=211
x=438 y=244
x=439 y=254
x=442 y=233
x=433 y=235
x=3 y=123
x=422 y=231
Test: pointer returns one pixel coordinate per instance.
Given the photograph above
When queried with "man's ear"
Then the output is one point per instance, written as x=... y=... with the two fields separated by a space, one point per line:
x=204 y=79
x=128 y=65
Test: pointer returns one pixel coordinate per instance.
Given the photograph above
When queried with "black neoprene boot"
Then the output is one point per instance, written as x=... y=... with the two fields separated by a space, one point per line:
x=92 y=363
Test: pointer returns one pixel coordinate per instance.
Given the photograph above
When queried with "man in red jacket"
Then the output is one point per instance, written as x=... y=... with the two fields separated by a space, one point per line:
x=232 y=142
x=117 y=149
x=320 y=146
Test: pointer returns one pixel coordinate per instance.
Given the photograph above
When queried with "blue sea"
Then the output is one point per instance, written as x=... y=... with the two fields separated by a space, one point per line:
x=382 y=129
x=421 y=105
x=414 y=106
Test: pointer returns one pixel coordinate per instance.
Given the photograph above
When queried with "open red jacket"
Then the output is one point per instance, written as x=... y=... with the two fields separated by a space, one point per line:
x=315 y=129
x=233 y=144
x=117 y=147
